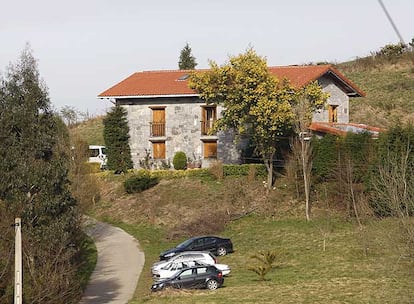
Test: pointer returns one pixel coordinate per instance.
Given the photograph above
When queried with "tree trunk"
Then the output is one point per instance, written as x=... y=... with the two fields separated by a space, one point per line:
x=305 y=178
x=351 y=191
x=269 y=167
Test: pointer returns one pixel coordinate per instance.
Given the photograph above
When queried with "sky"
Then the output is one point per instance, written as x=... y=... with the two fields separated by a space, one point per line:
x=83 y=47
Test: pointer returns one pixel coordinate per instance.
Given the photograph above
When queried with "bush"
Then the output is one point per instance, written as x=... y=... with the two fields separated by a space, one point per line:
x=202 y=174
x=325 y=157
x=243 y=170
x=180 y=161
x=391 y=51
x=392 y=175
x=265 y=263
x=140 y=182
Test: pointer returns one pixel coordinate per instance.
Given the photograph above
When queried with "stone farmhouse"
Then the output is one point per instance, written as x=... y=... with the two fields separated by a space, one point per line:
x=165 y=116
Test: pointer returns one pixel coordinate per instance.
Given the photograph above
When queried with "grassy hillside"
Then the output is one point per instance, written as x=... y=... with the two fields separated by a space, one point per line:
x=389 y=85
x=90 y=131
x=328 y=260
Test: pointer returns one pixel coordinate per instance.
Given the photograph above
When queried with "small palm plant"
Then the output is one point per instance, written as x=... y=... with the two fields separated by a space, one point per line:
x=265 y=263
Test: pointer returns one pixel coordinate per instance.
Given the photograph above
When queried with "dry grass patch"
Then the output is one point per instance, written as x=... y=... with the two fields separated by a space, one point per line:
x=185 y=206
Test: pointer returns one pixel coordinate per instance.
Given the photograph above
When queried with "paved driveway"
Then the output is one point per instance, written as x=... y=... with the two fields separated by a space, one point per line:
x=117 y=270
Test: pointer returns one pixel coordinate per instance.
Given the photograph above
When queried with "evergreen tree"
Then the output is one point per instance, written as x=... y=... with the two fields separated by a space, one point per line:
x=34 y=152
x=116 y=136
x=187 y=60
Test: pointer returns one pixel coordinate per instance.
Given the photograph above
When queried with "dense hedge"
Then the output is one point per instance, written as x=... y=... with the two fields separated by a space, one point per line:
x=243 y=170
x=325 y=156
x=202 y=173
x=383 y=167
x=393 y=193
x=140 y=182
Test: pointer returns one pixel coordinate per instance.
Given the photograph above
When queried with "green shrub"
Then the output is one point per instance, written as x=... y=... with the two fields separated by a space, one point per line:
x=265 y=263
x=180 y=161
x=168 y=174
x=203 y=174
x=392 y=176
x=391 y=51
x=140 y=182
x=325 y=157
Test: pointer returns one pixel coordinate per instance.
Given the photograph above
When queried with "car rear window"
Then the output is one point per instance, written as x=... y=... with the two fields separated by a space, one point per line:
x=201 y=270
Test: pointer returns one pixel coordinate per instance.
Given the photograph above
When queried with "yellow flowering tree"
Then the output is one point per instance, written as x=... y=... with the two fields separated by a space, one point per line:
x=256 y=103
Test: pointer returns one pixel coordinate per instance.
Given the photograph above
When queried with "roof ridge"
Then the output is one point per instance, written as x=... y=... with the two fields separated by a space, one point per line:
x=207 y=69
x=302 y=66
x=169 y=71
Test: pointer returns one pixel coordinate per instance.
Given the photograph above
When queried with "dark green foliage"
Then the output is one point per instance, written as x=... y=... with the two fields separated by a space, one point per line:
x=243 y=170
x=203 y=174
x=140 y=182
x=359 y=149
x=34 y=153
x=392 y=174
x=116 y=136
x=325 y=157
x=180 y=161
x=392 y=51
x=396 y=140
x=187 y=60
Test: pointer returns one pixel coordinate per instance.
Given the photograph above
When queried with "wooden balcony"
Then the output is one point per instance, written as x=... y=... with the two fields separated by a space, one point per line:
x=206 y=126
x=157 y=129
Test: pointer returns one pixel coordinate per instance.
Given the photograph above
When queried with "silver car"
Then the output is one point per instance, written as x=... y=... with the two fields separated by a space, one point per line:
x=201 y=256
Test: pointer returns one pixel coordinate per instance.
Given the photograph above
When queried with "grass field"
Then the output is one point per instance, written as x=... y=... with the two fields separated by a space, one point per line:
x=388 y=87
x=357 y=266
x=329 y=260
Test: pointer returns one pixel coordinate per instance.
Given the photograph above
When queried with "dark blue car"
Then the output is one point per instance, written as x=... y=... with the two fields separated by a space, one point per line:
x=216 y=245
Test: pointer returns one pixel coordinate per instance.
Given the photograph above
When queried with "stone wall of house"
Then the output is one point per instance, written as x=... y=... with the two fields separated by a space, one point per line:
x=183 y=126
x=183 y=130
x=337 y=97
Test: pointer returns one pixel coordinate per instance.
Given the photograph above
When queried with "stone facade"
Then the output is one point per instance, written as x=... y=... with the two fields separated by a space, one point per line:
x=183 y=118
x=337 y=99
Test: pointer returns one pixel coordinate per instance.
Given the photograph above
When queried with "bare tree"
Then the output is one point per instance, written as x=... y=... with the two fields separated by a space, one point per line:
x=394 y=188
x=302 y=111
x=346 y=178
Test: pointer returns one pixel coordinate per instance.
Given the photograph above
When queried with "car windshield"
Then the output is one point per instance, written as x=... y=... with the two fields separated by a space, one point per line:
x=185 y=243
x=168 y=266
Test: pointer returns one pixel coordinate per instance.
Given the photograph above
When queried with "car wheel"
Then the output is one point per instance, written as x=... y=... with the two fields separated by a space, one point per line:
x=212 y=284
x=178 y=286
x=221 y=251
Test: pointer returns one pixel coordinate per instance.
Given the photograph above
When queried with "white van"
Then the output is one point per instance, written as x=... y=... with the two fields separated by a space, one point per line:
x=97 y=155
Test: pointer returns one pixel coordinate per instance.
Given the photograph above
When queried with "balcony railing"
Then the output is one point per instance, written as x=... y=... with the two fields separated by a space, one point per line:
x=157 y=129
x=206 y=126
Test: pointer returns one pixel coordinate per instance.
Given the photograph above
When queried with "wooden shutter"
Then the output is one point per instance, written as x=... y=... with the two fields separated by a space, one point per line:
x=158 y=122
x=158 y=115
x=209 y=116
x=333 y=113
x=210 y=149
x=158 y=150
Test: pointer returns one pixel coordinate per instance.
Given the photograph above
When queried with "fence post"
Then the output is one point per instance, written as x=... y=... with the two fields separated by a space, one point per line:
x=18 y=283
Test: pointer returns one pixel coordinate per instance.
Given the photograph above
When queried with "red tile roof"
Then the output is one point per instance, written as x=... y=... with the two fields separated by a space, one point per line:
x=168 y=83
x=341 y=129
